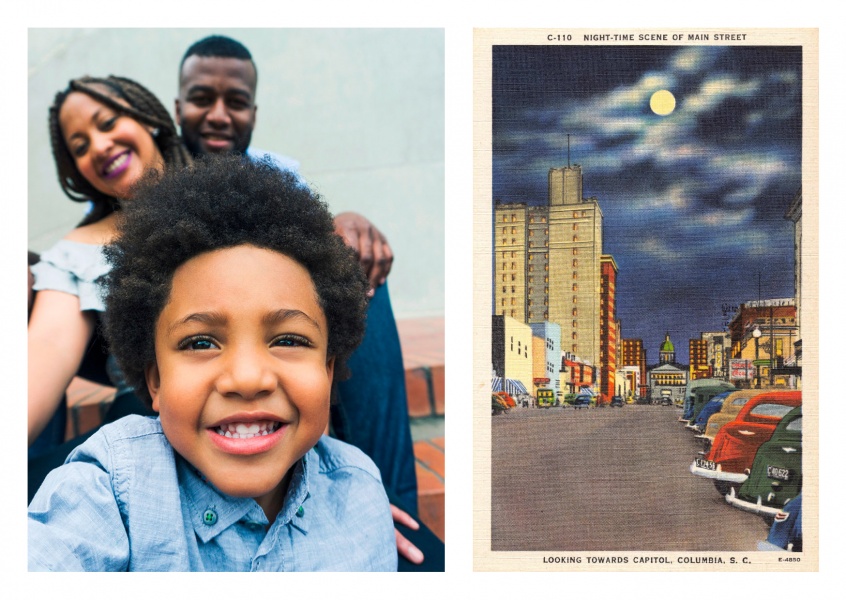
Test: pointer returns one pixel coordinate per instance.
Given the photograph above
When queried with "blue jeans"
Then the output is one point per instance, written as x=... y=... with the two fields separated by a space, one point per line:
x=371 y=411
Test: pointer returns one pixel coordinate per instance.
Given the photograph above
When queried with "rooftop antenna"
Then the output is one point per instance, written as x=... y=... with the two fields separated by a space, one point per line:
x=568 y=150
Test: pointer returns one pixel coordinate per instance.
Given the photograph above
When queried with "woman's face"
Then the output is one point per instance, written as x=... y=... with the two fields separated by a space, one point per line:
x=111 y=150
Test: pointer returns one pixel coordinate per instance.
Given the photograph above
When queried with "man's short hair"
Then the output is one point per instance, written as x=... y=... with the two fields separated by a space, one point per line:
x=218 y=46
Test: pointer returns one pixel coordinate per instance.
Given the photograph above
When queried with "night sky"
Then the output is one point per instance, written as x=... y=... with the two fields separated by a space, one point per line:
x=694 y=201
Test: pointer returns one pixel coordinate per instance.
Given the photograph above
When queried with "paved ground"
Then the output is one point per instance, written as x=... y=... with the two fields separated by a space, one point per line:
x=607 y=479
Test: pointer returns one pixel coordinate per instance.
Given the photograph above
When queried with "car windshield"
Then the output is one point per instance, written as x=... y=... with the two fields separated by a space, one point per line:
x=770 y=410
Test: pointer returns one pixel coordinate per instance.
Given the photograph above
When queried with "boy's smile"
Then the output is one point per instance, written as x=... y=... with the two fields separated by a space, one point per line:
x=242 y=379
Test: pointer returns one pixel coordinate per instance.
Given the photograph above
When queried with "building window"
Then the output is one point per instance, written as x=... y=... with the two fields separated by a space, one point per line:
x=513 y=277
x=575 y=287
x=575 y=311
x=503 y=301
x=504 y=266
x=512 y=289
x=575 y=238
x=575 y=251
x=546 y=278
x=575 y=262
x=513 y=301
x=531 y=219
x=531 y=244
x=575 y=323
x=575 y=275
x=543 y=219
x=531 y=268
x=513 y=254
x=546 y=314
x=531 y=279
x=531 y=233
x=575 y=226
x=513 y=230
x=503 y=289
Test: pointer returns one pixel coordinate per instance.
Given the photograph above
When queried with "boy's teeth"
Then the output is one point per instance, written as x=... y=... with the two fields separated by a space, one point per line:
x=247 y=430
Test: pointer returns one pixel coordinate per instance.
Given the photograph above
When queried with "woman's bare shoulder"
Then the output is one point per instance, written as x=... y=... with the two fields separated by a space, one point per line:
x=97 y=233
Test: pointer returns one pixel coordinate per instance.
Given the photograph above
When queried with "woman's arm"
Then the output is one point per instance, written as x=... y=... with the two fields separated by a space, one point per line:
x=58 y=334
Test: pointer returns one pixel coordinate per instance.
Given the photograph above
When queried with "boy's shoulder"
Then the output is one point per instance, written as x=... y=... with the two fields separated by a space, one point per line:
x=334 y=454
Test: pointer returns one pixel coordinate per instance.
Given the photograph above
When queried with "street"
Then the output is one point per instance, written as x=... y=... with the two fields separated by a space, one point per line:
x=607 y=479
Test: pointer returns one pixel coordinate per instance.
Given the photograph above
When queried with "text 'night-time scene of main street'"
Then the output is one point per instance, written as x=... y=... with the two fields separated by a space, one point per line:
x=646 y=305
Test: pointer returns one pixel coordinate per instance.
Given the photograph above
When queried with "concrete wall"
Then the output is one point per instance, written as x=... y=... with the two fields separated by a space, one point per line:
x=361 y=109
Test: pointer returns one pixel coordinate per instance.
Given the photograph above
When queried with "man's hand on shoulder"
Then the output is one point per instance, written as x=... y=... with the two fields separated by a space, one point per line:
x=371 y=247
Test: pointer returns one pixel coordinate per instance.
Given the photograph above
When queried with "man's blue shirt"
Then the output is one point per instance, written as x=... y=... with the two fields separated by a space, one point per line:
x=124 y=500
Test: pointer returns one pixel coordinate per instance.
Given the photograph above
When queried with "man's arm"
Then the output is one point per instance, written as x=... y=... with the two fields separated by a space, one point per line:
x=371 y=247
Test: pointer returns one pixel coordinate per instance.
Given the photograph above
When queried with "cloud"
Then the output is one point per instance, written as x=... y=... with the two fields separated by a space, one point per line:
x=714 y=91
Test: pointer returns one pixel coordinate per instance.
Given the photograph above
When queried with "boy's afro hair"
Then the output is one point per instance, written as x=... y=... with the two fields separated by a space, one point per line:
x=221 y=202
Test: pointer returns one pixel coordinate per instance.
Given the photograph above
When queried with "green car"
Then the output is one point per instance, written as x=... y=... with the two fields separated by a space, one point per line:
x=776 y=475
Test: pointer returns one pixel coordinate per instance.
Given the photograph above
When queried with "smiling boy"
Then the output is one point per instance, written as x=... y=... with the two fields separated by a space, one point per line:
x=234 y=332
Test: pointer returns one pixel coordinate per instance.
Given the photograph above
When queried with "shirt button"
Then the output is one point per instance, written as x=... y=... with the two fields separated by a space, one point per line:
x=300 y=511
x=209 y=517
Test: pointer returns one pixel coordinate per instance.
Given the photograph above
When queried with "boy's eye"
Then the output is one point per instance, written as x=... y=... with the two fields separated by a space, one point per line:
x=108 y=124
x=290 y=340
x=197 y=343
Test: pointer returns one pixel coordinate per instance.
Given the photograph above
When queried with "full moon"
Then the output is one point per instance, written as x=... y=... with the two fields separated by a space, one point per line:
x=662 y=103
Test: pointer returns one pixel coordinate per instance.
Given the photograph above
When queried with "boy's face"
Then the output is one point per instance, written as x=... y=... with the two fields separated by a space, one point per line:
x=242 y=379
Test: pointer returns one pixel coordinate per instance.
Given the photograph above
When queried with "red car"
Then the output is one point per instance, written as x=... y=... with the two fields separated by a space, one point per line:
x=733 y=451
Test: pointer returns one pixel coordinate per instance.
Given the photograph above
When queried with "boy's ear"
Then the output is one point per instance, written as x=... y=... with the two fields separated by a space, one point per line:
x=330 y=367
x=151 y=375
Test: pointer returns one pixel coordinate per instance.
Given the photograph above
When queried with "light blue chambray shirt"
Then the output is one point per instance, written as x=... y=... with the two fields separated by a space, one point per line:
x=125 y=501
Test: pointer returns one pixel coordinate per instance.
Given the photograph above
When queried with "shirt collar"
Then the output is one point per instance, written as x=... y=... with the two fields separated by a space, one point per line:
x=212 y=512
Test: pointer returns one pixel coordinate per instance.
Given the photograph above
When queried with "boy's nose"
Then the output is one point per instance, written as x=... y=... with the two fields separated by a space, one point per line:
x=246 y=375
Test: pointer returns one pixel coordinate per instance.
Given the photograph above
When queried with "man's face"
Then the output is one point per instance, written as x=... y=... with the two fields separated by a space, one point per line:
x=216 y=108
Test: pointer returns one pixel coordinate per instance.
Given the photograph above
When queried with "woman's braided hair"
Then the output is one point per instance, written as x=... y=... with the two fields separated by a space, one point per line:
x=144 y=107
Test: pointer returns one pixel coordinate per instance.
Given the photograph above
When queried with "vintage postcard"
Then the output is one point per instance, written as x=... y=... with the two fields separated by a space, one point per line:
x=645 y=309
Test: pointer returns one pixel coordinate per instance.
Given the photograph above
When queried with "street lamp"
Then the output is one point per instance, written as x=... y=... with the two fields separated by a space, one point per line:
x=757 y=335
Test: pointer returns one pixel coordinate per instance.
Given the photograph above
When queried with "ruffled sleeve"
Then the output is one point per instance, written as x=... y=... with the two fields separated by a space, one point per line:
x=73 y=268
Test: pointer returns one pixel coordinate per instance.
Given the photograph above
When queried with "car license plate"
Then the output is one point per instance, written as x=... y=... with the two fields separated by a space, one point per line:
x=778 y=473
x=709 y=465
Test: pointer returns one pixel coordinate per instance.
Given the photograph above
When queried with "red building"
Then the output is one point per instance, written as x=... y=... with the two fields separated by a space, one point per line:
x=698 y=351
x=634 y=355
x=608 y=333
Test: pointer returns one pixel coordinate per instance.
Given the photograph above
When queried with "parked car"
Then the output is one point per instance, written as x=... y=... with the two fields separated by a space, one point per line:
x=734 y=448
x=690 y=396
x=617 y=401
x=776 y=474
x=583 y=401
x=713 y=406
x=731 y=406
x=501 y=402
x=701 y=397
x=786 y=530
